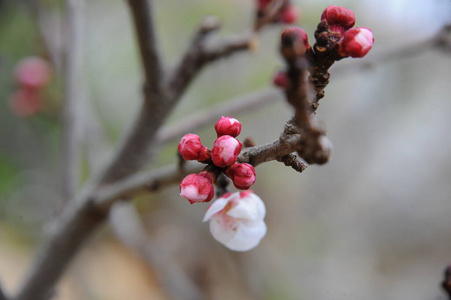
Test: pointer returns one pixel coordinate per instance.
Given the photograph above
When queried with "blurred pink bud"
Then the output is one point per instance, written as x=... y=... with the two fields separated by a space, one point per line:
x=228 y=126
x=290 y=15
x=32 y=72
x=237 y=220
x=338 y=18
x=197 y=187
x=242 y=175
x=225 y=151
x=281 y=80
x=262 y=4
x=191 y=148
x=294 y=42
x=356 y=42
x=25 y=102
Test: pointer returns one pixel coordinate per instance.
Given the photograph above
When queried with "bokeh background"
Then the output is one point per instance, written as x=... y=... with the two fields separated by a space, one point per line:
x=374 y=223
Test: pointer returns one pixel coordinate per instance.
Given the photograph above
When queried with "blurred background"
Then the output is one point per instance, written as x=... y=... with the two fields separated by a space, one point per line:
x=373 y=223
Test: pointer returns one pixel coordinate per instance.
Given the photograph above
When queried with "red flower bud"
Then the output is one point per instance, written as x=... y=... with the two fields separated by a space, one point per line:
x=228 y=126
x=338 y=18
x=290 y=15
x=191 y=148
x=294 y=42
x=26 y=102
x=32 y=72
x=281 y=80
x=356 y=42
x=242 y=175
x=225 y=151
x=197 y=187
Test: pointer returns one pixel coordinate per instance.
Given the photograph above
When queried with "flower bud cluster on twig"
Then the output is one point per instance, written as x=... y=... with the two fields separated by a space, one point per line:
x=306 y=73
x=236 y=220
x=220 y=159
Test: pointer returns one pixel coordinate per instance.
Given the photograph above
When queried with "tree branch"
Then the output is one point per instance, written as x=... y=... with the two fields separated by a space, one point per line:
x=239 y=105
x=71 y=118
x=151 y=181
x=83 y=216
x=199 y=54
x=270 y=151
x=2 y=294
x=142 y=13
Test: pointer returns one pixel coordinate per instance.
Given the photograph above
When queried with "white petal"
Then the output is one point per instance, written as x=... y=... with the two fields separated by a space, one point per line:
x=216 y=206
x=223 y=228
x=258 y=204
x=244 y=210
x=246 y=237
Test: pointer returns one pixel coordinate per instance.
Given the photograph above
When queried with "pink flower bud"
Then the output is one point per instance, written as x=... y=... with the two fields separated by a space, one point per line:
x=25 y=102
x=281 y=80
x=290 y=15
x=356 y=42
x=225 y=151
x=33 y=72
x=294 y=34
x=237 y=220
x=338 y=18
x=191 y=148
x=294 y=42
x=242 y=175
x=228 y=126
x=197 y=187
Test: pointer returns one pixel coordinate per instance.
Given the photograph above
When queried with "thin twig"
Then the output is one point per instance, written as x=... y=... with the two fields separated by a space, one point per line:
x=291 y=160
x=155 y=180
x=239 y=105
x=270 y=151
x=199 y=54
x=151 y=181
x=71 y=121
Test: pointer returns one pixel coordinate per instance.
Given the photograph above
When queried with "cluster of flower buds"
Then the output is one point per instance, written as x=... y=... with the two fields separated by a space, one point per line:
x=288 y=14
x=221 y=158
x=237 y=220
x=336 y=38
x=32 y=75
x=354 y=42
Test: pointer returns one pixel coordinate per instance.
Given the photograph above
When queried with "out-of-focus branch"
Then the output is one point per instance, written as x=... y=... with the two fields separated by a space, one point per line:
x=143 y=19
x=446 y=284
x=132 y=150
x=270 y=14
x=128 y=227
x=199 y=54
x=151 y=181
x=2 y=294
x=71 y=116
x=241 y=104
x=80 y=219
x=50 y=32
